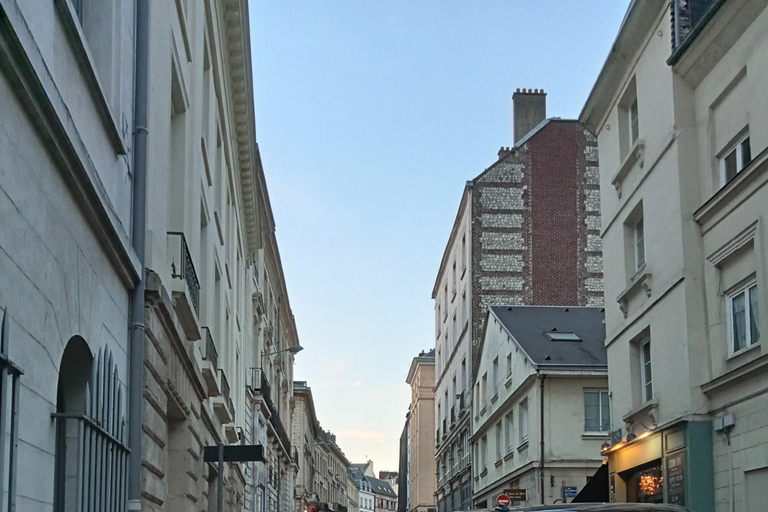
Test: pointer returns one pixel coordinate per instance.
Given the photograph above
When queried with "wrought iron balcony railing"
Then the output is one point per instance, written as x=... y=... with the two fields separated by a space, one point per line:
x=261 y=385
x=688 y=17
x=211 y=354
x=225 y=392
x=183 y=268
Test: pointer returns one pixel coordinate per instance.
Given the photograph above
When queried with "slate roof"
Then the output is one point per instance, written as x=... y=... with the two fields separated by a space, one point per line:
x=381 y=487
x=529 y=326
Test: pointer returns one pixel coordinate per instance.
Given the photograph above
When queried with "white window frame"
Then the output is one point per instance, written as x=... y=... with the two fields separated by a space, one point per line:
x=633 y=117
x=523 y=421
x=510 y=418
x=742 y=290
x=740 y=163
x=600 y=412
x=499 y=440
x=643 y=363
x=638 y=237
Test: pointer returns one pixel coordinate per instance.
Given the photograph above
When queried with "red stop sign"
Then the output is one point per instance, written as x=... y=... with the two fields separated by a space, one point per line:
x=503 y=499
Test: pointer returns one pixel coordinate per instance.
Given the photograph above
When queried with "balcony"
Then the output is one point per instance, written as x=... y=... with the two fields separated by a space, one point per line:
x=222 y=405
x=185 y=287
x=689 y=17
x=260 y=385
x=211 y=356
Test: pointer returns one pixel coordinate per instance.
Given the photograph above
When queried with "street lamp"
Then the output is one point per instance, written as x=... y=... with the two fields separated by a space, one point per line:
x=293 y=350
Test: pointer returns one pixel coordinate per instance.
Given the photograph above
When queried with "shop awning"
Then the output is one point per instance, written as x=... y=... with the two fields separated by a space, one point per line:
x=596 y=490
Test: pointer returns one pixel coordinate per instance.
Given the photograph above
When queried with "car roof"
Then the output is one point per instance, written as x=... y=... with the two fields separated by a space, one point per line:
x=594 y=507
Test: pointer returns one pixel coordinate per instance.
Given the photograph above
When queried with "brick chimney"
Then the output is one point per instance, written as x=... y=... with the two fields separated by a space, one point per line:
x=529 y=109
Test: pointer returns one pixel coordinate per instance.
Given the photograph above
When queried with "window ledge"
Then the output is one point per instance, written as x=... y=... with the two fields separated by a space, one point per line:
x=508 y=382
x=498 y=463
x=495 y=398
x=648 y=407
x=641 y=279
x=484 y=472
x=741 y=352
x=509 y=455
x=595 y=435
x=636 y=154
x=482 y=411
x=88 y=68
x=743 y=185
x=463 y=271
x=747 y=371
x=523 y=446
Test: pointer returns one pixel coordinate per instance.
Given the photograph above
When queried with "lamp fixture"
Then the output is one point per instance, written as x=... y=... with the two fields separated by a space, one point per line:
x=605 y=446
x=293 y=350
x=631 y=437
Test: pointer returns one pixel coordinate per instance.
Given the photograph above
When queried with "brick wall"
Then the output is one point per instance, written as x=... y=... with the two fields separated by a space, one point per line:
x=536 y=225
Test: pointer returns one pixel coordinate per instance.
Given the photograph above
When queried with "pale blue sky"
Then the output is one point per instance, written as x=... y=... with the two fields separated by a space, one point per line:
x=371 y=116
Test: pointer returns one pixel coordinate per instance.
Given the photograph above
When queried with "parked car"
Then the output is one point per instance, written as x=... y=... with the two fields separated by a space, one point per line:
x=591 y=507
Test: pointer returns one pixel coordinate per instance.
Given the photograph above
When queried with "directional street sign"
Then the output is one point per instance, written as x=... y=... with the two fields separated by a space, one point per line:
x=235 y=453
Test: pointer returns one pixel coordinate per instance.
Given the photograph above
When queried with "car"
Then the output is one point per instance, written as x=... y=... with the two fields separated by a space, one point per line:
x=590 y=507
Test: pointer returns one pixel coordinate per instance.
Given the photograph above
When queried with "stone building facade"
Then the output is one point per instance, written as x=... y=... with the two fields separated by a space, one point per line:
x=419 y=488
x=527 y=232
x=67 y=265
x=681 y=117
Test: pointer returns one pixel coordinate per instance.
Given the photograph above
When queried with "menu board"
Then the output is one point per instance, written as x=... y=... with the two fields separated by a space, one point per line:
x=676 y=478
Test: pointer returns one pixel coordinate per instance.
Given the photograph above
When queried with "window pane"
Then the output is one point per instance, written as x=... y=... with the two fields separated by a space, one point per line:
x=639 y=244
x=754 y=316
x=633 y=121
x=739 y=322
x=647 y=373
x=605 y=411
x=730 y=166
x=591 y=411
x=746 y=153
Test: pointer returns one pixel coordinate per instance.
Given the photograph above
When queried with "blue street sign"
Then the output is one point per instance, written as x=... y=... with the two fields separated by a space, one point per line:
x=571 y=492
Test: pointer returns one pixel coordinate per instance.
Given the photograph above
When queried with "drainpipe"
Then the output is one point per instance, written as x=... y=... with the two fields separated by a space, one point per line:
x=136 y=343
x=541 y=437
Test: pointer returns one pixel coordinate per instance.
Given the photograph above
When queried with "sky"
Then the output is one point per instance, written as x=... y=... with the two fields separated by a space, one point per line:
x=371 y=115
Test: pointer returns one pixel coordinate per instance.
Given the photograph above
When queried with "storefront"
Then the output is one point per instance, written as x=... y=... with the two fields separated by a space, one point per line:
x=658 y=467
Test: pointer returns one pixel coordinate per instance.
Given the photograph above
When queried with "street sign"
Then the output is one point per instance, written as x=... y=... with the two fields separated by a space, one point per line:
x=571 y=492
x=515 y=494
x=616 y=436
x=235 y=453
x=503 y=499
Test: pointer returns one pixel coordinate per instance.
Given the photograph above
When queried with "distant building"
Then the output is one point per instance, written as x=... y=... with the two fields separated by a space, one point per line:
x=331 y=474
x=417 y=452
x=403 y=489
x=681 y=115
x=527 y=232
x=542 y=372
x=385 y=498
x=305 y=434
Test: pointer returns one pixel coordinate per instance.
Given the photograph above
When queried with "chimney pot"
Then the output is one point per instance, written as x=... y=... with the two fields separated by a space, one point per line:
x=529 y=109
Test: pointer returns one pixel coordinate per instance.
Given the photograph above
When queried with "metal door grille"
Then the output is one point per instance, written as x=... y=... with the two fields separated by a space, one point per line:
x=102 y=452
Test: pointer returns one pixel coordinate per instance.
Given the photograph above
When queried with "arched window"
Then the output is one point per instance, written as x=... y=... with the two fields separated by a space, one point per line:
x=91 y=453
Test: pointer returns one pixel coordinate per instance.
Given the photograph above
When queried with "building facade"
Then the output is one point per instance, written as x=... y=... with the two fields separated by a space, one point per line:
x=331 y=474
x=420 y=450
x=527 y=232
x=304 y=437
x=67 y=264
x=541 y=405
x=680 y=114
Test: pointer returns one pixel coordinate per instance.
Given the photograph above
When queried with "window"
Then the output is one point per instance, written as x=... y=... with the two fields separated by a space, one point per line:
x=639 y=232
x=484 y=390
x=455 y=329
x=735 y=158
x=463 y=253
x=499 y=443
x=453 y=280
x=510 y=431
x=445 y=302
x=743 y=318
x=645 y=370
x=634 y=125
x=464 y=384
x=437 y=319
x=464 y=312
x=629 y=120
x=597 y=411
x=496 y=376
x=483 y=452
x=524 y=421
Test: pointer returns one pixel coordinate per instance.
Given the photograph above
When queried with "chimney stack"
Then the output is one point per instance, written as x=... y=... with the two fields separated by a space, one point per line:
x=529 y=109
